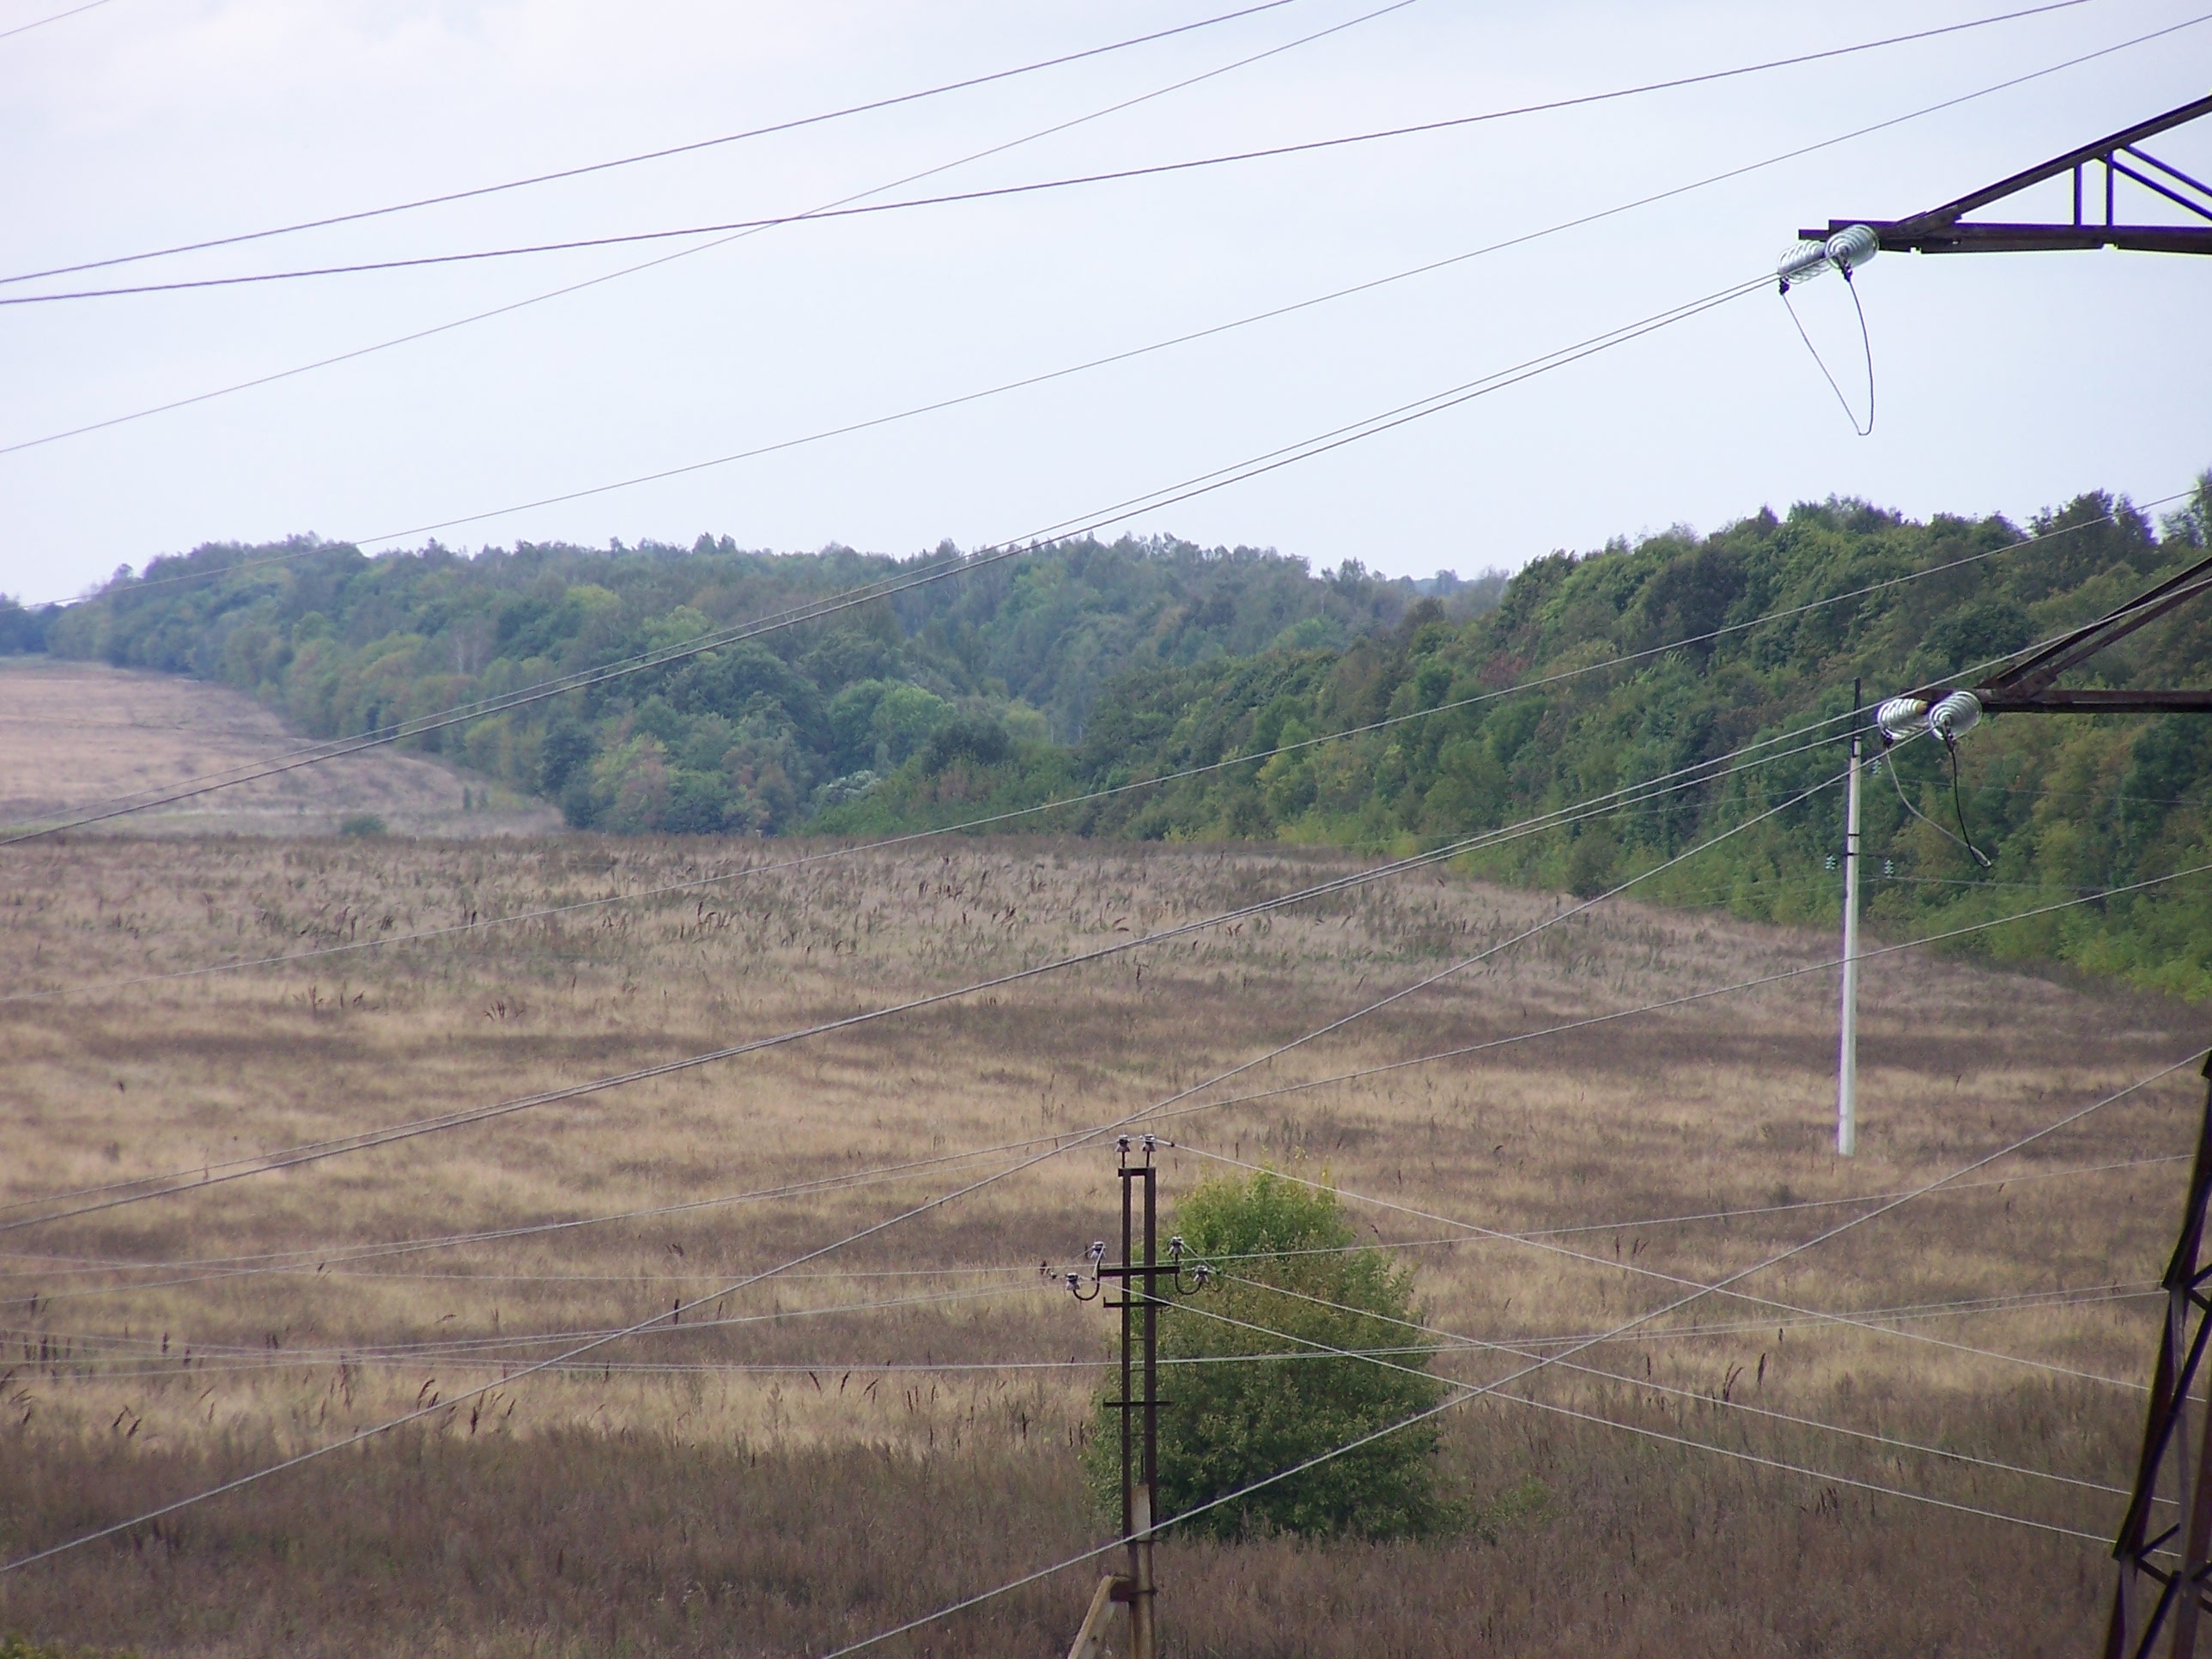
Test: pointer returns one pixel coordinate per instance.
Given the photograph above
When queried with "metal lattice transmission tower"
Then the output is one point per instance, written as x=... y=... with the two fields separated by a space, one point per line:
x=2163 y=1586
x=2164 y=1554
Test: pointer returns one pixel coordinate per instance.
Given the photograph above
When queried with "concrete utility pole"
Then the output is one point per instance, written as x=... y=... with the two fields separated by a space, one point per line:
x=1847 y=1060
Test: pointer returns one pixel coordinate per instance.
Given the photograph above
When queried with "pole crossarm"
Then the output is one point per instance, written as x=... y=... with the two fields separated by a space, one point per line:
x=2094 y=223
x=2026 y=686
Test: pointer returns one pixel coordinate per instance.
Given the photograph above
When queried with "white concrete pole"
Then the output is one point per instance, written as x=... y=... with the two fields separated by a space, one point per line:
x=1847 y=1060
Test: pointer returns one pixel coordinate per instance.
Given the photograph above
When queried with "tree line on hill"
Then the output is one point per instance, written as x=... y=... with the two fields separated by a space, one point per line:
x=994 y=660
x=1081 y=667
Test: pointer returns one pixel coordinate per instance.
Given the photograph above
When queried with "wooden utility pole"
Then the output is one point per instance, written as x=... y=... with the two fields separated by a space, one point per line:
x=1140 y=1276
x=1140 y=1406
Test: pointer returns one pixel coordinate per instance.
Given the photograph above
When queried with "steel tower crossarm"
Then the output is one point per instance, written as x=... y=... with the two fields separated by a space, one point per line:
x=2119 y=154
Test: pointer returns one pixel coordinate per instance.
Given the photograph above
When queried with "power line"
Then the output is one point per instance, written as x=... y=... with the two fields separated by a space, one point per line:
x=1473 y=1391
x=704 y=248
x=489 y=1347
x=1816 y=1474
x=1324 y=1031
x=1390 y=1363
x=312 y=1151
x=499 y=310
x=1683 y=1001
x=1682 y=777
x=1090 y=797
x=295 y=1261
x=646 y=156
x=953 y=1196
x=804 y=1260
x=499 y=1235
x=1190 y=488
x=54 y=17
x=240 y=1361
x=1637 y=1270
x=1157 y=170
x=954 y=86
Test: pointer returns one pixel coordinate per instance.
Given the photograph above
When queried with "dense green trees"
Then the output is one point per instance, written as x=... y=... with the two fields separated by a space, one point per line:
x=1291 y=1281
x=956 y=676
x=2061 y=803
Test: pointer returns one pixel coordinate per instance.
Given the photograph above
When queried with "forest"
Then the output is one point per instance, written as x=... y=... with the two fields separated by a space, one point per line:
x=984 y=687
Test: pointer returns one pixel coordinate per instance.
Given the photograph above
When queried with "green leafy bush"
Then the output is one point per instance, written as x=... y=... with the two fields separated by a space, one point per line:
x=1280 y=1250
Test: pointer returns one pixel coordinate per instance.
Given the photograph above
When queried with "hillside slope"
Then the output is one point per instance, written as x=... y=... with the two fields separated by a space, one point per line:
x=2061 y=805
x=978 y=689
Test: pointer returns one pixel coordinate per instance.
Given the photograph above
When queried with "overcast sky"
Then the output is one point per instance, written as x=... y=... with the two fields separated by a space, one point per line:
x=2004 y=382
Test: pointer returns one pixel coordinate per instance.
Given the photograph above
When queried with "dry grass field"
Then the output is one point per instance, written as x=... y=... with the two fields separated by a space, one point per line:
x=893 y=1425
x=73 y=733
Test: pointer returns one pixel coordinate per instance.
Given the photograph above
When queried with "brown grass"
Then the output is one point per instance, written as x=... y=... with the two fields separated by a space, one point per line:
x=682 y=1494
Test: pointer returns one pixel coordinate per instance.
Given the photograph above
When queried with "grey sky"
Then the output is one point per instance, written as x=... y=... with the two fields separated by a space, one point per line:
x=2005 y=382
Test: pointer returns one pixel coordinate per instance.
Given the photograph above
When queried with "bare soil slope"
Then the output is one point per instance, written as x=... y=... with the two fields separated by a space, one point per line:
x=76 y=735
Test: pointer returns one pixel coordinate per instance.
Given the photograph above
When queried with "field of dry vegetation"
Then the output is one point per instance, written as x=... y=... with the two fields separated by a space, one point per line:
x=76 y=732
x=800 y=1463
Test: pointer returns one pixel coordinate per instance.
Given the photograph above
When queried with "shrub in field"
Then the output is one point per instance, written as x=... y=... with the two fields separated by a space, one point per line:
x=1254 y=1393
x=360 y=823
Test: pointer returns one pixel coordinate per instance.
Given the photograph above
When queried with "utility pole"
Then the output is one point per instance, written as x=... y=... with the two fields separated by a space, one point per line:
x=1847 y=1059
x=1141 y=1439
x=1140 y=1405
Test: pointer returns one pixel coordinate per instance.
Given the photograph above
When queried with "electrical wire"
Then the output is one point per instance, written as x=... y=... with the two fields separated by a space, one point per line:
x=1814 y=1474
x=1959 y=806
x=495 y=1347
x=1155 y=170
x=663 y=154
x=1031 y=1142
x=1090 y=797
x=1688 y=998
x=294 y=1262
x=959 y=86
x=1359 y=1074
x=708 y=246
x=1959 y=840
x=1637 y=1270
x=233 y=1359
x=1367 y=1009
x=1453 y=1340
x=813 y=611
x=954 y=1196
x=806 y=1258
x=1865 y=340
x=53 y=17
x=423 y=334
x=1190 y=488
x=315 y=1152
